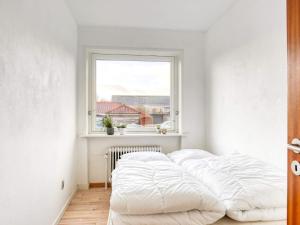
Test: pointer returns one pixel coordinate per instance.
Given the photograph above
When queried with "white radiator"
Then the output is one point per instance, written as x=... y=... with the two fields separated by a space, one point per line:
x=114 y=153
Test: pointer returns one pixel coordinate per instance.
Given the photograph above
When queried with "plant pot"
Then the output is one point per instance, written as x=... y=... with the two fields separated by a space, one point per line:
x=163 y=131
x=110 y=131
x=121 y=131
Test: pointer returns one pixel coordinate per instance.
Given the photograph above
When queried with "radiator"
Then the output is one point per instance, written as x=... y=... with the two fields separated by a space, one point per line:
x=114 y=153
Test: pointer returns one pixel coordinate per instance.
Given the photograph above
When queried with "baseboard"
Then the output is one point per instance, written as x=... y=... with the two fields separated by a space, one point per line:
x=64 y=208
x=98 y=185
x=83 y=186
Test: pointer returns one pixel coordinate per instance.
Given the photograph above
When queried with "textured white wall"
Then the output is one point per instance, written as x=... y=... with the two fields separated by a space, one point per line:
x=192 y=89
x=38 y=45
x=246 y=81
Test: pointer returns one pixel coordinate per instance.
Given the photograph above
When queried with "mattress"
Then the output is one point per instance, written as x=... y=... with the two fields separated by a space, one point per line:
x=175 y=219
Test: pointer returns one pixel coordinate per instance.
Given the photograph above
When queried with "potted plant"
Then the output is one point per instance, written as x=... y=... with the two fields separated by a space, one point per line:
x=163 y=131
x=121 y=129
x=158 y=129
x=108 y=124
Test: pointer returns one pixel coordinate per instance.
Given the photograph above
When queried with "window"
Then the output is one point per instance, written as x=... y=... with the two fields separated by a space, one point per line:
x=135 y=89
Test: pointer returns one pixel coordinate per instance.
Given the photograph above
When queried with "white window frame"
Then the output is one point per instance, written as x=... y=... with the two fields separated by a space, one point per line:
x=174 y=57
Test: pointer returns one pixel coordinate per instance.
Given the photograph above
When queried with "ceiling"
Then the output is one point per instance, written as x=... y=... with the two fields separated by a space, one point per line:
x=162 y=14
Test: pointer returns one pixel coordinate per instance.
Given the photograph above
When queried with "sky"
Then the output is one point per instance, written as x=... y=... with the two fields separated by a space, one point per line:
x=132 y=78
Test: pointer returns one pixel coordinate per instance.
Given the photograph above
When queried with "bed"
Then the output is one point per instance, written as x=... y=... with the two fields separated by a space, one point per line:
x=194 y=187
x=160 y=193
x=250 y=189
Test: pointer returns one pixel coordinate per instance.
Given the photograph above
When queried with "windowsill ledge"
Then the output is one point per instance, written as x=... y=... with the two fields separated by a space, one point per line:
x=129 y=135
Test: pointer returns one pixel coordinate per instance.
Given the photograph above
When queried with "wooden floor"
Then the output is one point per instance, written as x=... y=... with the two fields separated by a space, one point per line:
x=88 y=207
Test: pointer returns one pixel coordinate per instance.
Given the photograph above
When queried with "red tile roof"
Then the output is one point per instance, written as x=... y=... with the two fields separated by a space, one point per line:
x=104 y=107
x=123 y=109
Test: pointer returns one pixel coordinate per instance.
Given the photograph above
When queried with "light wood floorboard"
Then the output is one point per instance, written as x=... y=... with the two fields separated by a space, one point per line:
x=88 y=207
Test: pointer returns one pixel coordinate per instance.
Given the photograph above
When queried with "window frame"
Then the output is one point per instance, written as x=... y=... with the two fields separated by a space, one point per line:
x=174 y=57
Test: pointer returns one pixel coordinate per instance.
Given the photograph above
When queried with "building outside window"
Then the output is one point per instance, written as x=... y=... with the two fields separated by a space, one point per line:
x=136 y=89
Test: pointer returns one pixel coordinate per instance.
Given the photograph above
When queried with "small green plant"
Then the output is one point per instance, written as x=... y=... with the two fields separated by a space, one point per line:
x=107 y=122
x=121 y=126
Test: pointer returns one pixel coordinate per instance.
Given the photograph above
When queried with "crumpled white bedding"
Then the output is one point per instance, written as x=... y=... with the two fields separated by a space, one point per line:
x=155 y=188
x=193 y=217
x=175 y=219
x=250 y=189
x=145 y=156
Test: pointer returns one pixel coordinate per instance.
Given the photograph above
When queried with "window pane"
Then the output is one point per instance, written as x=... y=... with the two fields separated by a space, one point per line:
x=133 y=93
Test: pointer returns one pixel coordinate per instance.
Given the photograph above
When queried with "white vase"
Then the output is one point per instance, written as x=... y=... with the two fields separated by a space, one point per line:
x=121 y=131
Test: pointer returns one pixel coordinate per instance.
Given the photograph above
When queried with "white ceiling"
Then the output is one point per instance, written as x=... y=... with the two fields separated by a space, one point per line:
x=164 y=14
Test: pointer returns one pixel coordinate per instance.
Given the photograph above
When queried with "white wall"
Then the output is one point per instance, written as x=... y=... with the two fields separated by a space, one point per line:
x=38 y=45
x=192 y=90
x=246 y=81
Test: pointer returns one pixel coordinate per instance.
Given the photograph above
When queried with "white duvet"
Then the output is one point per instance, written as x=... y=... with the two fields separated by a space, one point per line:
x=250 y=189
x=151 y=189
x=176 y=218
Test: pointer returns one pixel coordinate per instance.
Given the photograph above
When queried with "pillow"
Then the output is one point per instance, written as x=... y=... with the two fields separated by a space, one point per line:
x=145 y=156
x=185 y=154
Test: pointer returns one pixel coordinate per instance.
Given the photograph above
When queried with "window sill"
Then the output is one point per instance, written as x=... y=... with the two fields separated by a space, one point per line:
x=131 y=135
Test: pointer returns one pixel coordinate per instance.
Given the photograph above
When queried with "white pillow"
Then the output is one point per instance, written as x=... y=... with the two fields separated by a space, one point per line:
x=145 y=156
x=185 y=154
